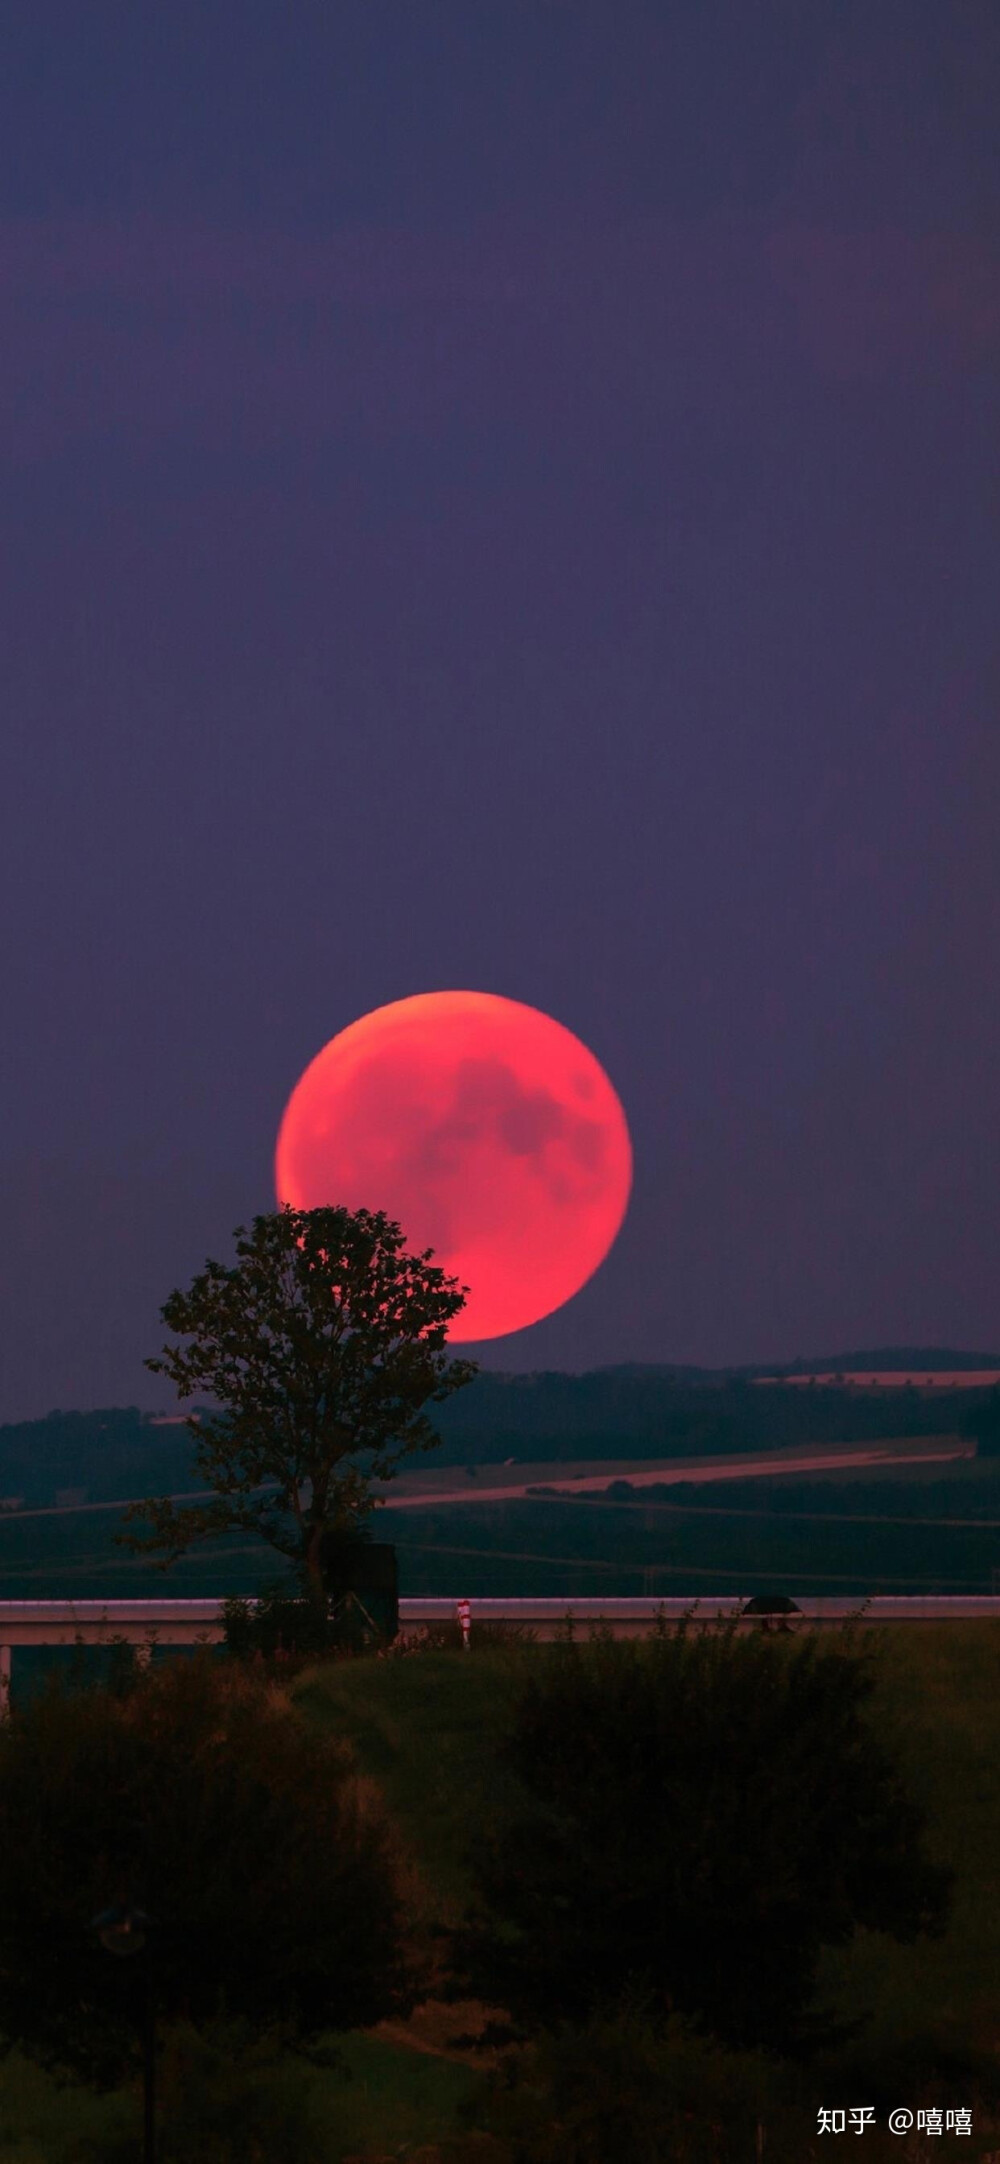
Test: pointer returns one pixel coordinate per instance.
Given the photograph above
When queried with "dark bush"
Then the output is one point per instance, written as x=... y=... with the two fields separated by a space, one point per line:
x=361 y=1611
x=278 y=1623
x=700 y=1816
x=267 y=1868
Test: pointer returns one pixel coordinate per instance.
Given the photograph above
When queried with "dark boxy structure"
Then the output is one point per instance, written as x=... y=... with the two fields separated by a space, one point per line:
x=364 y=1586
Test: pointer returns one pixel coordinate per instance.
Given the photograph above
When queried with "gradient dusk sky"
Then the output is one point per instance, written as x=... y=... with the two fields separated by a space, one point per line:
x=504 y=496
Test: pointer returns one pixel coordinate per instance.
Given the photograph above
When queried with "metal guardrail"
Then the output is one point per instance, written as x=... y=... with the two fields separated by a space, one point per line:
x=148 y=1623
x=639 y=1612
x=190 y=1622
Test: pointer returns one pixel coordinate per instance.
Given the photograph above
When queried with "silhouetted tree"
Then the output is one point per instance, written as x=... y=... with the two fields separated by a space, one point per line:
x=321 y=1346
x=269 y=1873
x=698 y=1817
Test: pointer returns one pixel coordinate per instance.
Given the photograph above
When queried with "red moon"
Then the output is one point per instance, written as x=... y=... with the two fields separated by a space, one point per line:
x=486 y=1129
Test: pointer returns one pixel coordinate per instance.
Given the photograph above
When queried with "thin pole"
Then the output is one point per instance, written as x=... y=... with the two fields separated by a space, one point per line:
x=149 y=2066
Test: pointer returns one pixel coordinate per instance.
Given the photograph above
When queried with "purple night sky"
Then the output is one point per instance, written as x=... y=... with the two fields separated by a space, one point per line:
x=504 y=496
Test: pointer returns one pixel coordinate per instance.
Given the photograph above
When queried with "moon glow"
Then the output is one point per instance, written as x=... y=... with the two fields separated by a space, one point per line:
x=486 y=1129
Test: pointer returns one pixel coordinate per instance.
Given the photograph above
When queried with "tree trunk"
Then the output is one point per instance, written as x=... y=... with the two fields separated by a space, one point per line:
x=313 y=1558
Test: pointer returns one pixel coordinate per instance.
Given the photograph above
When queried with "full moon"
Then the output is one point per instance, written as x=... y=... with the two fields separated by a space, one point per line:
x=486 y=1129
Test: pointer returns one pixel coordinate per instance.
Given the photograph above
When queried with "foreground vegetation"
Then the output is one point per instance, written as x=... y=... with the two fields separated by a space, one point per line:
x=424 y=1731
x=427 y=1729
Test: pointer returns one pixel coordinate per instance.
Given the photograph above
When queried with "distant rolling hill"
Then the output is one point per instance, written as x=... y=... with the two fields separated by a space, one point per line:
x=920 y=1359
x=627 y=1411
x=680 y=1411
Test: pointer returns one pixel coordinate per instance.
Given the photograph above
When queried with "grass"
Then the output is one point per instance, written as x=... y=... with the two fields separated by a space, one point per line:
x=40 y=2118
x=390 y=2095
x=424 y=1727
x=938 y=1702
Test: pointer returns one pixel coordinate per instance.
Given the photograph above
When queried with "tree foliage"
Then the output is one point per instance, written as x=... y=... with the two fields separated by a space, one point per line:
x=699 y=1816
x=321 y=1346
x=269 y=1872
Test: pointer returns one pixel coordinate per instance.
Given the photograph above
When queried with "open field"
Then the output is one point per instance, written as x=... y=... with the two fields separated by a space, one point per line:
x=414 y=1490
x=799 y=1534
x=512 y=1482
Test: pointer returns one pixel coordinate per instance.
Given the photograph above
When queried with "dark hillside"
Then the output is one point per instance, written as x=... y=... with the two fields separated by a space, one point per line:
x=622 y=1412
x=114 y=1452
x=928 y=1359
x=119 y=1451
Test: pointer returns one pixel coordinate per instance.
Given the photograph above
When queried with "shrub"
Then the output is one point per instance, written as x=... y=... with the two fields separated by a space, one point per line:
x=699 y=1817
x=268 y=1870
x=361 y=1611
x=278 y=1624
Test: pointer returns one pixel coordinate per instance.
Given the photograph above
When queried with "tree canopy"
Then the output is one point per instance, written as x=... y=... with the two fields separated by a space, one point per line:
x=321 y=1346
